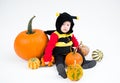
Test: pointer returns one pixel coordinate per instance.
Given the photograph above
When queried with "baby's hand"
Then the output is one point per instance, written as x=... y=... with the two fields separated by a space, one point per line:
x=75 y=49
x=49 y=63
x=46 y=63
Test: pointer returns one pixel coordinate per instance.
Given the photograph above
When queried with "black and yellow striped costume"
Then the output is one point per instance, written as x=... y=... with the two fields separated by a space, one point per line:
x=63 y=46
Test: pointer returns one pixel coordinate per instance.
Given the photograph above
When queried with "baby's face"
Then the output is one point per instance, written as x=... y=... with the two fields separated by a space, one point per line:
x=65 y=26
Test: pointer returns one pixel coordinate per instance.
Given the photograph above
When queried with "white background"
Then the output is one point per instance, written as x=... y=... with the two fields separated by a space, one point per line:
x=98 y=28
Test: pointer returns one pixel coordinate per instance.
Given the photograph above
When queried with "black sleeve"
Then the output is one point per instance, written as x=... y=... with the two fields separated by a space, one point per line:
x=49 y=32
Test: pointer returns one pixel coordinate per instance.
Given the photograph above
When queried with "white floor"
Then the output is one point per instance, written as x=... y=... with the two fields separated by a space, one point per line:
x=98 y=28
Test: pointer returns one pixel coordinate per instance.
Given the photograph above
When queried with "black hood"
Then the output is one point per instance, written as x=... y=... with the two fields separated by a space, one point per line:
x=61 y=19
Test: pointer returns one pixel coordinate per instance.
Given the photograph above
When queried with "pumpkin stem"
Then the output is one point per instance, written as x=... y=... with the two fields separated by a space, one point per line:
x=33 y=59
x=74 y=50
x=81 y=43
x=74 y=62
x=30 y=26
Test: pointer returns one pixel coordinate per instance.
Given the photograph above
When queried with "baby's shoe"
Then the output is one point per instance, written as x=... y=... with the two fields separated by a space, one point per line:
x=88 y=64
x=61 y=70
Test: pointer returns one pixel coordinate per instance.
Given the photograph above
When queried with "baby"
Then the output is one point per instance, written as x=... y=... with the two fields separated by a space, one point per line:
x=60 y=44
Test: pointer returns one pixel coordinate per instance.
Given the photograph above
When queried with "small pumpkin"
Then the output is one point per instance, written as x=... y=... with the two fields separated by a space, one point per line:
x=84 y=49
x=72 y=56
x=97 y=55
x=30 y=43
x=74 y=72
x=34 y=63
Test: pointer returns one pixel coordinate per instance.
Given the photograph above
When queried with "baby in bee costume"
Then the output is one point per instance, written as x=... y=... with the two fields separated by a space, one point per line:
x=60 y=42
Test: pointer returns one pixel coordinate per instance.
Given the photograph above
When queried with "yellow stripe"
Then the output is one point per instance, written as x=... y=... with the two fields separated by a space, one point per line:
x=62 y=44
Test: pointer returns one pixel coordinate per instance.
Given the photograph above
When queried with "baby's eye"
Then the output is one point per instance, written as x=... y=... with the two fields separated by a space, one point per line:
x=68 y=24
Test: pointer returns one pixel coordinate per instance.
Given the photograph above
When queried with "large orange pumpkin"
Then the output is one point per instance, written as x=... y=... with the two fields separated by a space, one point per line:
x=72 y=57
x=30 y=43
